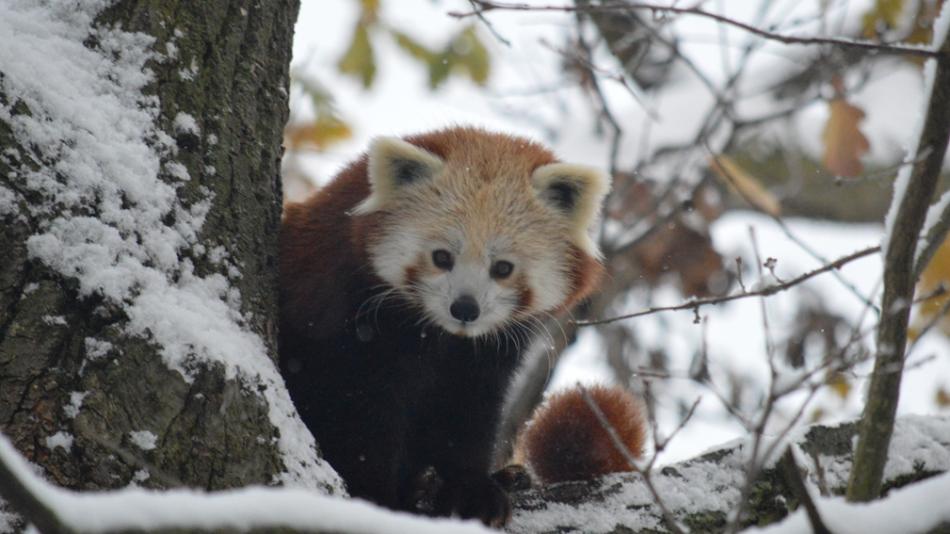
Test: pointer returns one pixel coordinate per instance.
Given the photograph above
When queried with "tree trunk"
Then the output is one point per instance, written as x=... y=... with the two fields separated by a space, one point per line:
x=71 y=366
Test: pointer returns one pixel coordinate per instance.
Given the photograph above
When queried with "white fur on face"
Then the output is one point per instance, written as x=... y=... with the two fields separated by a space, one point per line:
x=434 y=290
x=486 y=200
x=495 y=302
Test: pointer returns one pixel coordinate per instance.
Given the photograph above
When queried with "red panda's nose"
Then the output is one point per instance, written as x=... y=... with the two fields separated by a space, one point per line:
x=465 y=309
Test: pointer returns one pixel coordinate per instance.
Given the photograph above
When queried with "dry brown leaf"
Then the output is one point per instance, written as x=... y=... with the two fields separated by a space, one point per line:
x=317 y=135
x=839 y=384
x=942 y=398
x=745 y=185
x=844 y=142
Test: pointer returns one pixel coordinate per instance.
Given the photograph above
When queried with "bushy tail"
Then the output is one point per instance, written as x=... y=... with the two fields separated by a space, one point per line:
x=566 y=440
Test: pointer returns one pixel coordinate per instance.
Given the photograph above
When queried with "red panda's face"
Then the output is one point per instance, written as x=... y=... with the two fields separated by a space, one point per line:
x=478 y=240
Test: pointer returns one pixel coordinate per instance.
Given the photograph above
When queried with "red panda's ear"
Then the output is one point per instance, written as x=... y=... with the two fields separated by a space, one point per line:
x=576 y=192
x=394 y=163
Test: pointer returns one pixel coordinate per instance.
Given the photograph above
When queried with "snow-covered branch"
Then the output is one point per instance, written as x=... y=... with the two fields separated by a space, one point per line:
x=56 y=510
x=913 y=190
x=703 y=491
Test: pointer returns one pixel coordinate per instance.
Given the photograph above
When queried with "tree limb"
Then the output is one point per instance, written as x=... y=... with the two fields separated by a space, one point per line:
x=877 y=421
x=23 y=500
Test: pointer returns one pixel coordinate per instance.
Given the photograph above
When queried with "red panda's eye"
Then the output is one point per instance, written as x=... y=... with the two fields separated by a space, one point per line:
x=443 y=259
x=502 y=269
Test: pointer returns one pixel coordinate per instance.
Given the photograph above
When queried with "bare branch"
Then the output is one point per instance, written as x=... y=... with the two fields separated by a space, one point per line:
x=794 y=479
x=880 y=48
x=18 y=493
x=491 y=28
x=618 y=443
x=765 y=291
x=910 y=209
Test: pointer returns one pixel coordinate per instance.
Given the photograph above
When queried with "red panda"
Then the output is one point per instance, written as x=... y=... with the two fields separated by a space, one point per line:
x=410 y=286
x=566 y=440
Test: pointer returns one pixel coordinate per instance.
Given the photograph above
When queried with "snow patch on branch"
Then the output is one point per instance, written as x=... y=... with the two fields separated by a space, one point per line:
x=941 y=27
x=8 y=202
x=8 y=520
x=135 y=508
x=61 y=439
x=109 y=220
x=934 y=213
x=912 y=154
x=76 y=399
x=919 y=507
x=185 y=123
x=143 y=439
x=711 y=484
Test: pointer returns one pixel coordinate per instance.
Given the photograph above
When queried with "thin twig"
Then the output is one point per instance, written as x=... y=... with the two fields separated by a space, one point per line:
x=794 y=479
x=618 y=444
x=882 y=48
x=660 y=444
x=791 y=235
x=491 y=28
x=765 y=291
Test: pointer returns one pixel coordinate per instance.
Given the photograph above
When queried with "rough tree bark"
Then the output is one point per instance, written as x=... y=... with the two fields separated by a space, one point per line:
x=208 y=430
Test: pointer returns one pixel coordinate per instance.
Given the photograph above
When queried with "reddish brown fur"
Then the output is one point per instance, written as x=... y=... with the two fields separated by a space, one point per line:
x=586 y=274
x=308 y=259
x=566 y=441
x=525 y=296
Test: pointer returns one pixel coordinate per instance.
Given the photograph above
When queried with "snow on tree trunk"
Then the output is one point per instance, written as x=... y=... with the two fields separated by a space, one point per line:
x=139 y=208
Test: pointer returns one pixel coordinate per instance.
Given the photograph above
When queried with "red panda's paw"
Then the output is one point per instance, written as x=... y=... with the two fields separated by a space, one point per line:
x=424 y=491
x=477 y=497
x=513 y=477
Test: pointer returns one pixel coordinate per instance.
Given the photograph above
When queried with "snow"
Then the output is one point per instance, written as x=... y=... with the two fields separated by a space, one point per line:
x=191 y=72
x=54 y=320
x=61 y=439
x=941 y=28
x=135 y=508
x=97 y=348
x=177 y=170
x=911 y=154
x=143 y=439
x=8 y=202
x=8 y=521
x=713 y=483
x=913 y=509
x=99 y=150
x=75 y=403
x=934 y=213
x=185 y=123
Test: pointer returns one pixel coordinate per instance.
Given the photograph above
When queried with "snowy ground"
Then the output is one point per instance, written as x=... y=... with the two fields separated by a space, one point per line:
x=527 y=95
